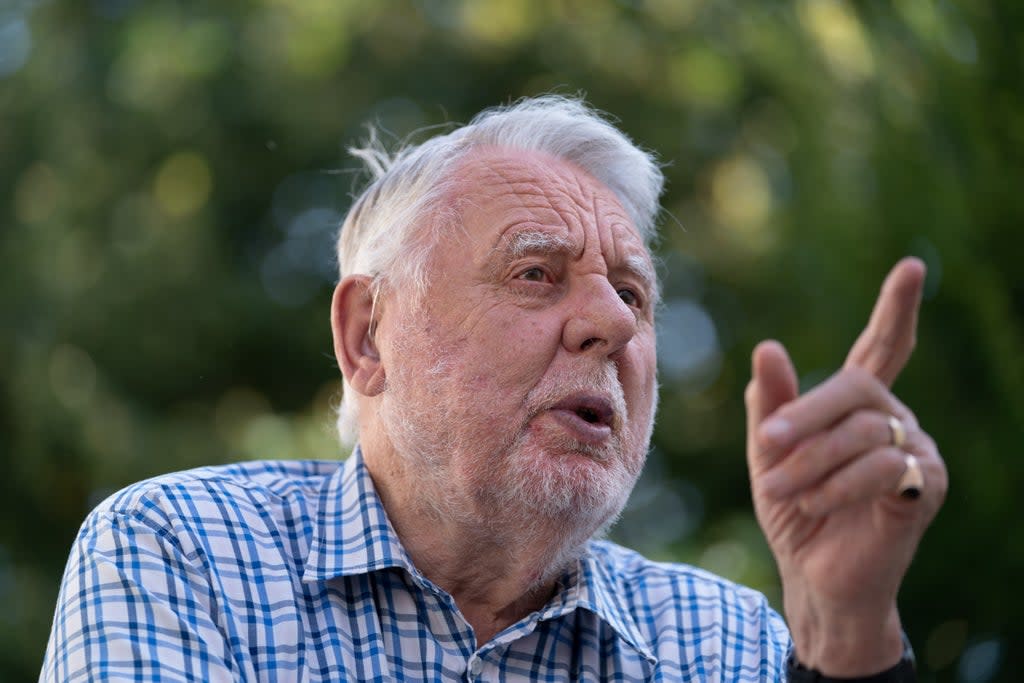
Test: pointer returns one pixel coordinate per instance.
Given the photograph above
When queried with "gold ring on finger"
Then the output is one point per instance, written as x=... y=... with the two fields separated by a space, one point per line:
x=897 y=432
x=911 y=483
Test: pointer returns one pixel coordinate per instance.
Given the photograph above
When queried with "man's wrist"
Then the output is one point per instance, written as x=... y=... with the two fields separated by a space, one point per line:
x=905 y=671
x=844 y=641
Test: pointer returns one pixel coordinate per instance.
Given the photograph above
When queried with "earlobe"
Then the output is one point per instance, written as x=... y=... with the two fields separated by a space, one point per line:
x=354 y=327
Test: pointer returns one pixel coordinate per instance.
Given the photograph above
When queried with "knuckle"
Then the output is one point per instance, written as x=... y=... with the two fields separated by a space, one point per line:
x=869 y=384
x=802 y=462
x=835 y=444
x=836 y=491
x=865 y=422
x=894 y=460
x=907 y=415
x=861 y=379
x=832 y=446
x=857 y=374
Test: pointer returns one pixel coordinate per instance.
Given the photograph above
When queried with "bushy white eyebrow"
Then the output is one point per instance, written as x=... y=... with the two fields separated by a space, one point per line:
x=536 y=241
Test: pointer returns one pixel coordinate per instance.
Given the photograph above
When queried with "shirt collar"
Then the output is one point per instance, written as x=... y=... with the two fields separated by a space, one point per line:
x=592 y=586
x=352 y=534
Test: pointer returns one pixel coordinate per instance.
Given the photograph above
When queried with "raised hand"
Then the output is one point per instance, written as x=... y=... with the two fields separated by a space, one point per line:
x=824 y=473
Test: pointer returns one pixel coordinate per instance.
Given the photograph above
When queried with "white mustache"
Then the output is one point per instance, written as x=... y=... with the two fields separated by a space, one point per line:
x=598 y=381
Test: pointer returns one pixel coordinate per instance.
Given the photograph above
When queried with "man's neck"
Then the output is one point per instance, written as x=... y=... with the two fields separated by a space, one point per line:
x=497 y=573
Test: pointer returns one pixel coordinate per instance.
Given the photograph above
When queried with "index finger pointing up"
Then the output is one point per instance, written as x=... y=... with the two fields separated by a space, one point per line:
x=886 y=343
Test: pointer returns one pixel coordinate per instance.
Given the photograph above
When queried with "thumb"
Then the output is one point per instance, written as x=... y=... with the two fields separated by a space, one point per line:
x=773 y=379
x=772 y=384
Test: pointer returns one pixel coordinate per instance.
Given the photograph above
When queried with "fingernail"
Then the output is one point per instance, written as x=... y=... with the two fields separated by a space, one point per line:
x=775 y=429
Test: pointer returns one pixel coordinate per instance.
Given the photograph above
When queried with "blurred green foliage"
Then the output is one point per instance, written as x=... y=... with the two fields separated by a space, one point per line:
x=171 y=174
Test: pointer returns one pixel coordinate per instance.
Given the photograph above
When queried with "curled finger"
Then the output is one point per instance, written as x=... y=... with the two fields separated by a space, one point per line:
x=820 y=455
x=847 y=391
x=872 y=475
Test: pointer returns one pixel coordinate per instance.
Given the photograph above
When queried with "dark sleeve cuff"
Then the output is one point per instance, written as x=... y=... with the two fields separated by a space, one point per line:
x=903 y=672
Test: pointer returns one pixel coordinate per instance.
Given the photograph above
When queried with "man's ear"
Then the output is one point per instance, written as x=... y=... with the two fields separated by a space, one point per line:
x=353 y=325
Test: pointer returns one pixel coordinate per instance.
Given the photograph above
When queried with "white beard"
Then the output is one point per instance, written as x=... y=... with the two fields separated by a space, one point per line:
x=467 y=476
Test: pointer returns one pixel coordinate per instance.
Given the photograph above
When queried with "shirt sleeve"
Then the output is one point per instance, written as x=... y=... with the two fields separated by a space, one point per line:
x=777 y=644
x=133 y=606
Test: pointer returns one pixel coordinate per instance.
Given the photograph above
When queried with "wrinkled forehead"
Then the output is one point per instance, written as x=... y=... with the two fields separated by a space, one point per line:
x=496 y=190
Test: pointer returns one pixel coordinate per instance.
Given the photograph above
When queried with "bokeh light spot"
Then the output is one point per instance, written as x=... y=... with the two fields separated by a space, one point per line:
x=741 y=199
x=311 y=38
x=839 y=36
x=164 y=57
x=702 y=77
x=980 y=662
x=688 y=350
x=654 y=499
x=15 y=45
x=302 y=263
x=498 y=22
x=183 y=184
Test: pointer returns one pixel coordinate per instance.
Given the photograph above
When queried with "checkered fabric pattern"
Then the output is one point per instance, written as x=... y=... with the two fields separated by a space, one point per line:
x=290 y=571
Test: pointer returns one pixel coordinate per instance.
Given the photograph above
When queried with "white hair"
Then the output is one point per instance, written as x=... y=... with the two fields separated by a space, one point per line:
x=392 y=226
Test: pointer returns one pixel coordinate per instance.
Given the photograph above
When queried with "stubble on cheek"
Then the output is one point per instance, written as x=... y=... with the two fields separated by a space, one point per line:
x=465 y=420
x=549 y=473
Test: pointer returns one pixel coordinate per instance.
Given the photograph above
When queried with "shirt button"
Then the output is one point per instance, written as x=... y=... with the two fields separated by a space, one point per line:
x=475 y=666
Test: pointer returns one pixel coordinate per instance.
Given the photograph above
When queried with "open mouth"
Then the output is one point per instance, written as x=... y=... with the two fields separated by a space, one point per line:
x=595 y=410
x=590 y=418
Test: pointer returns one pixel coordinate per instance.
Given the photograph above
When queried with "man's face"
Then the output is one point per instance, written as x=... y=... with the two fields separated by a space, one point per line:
x=524 y=381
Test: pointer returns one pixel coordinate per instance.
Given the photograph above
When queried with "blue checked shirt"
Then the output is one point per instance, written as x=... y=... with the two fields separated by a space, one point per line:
x=290 y=571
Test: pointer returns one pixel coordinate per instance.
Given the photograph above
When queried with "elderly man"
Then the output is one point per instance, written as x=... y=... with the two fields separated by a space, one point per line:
x=495 y=327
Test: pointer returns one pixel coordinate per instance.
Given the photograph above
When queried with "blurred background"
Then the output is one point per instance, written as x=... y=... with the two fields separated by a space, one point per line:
x=172 y=175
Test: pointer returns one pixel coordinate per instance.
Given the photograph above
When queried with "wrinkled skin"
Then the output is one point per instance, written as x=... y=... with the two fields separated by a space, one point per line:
x=824 y=475
x=505 y=333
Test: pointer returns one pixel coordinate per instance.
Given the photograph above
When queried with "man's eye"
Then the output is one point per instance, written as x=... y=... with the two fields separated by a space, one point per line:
x=533 y=275
x=629 y=296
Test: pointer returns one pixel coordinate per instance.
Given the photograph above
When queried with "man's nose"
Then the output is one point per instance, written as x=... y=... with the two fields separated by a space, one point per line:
x=599 y=321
